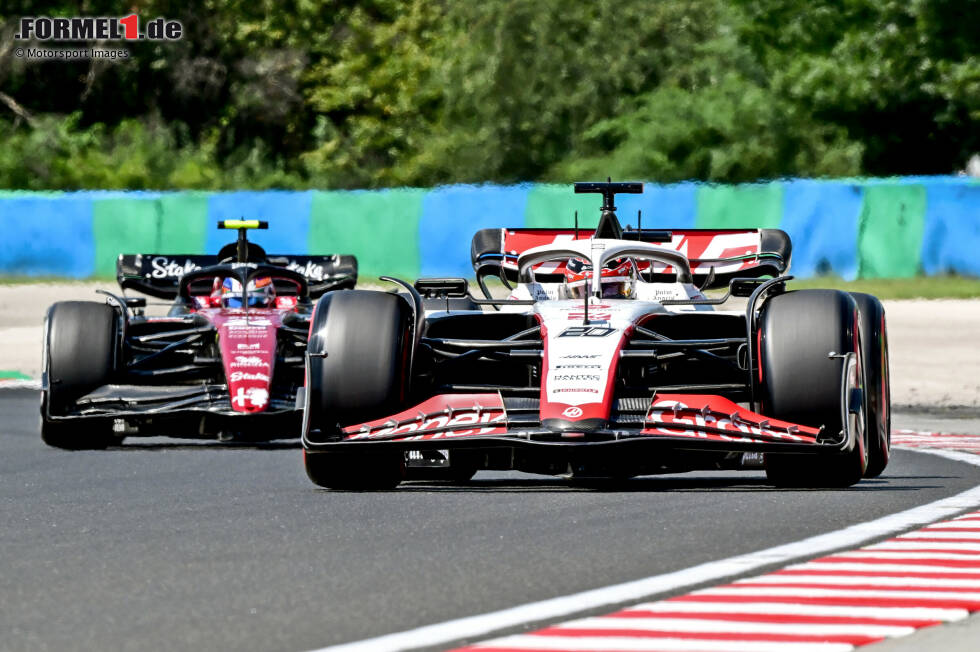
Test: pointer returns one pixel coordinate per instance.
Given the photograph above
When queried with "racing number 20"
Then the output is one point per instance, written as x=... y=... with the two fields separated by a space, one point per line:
x=587 y=331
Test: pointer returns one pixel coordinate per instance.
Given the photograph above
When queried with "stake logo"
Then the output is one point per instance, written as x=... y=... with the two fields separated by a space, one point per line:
x=101 y=28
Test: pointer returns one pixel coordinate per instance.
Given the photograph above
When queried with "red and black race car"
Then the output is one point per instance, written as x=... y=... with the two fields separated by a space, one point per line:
x=225 y=362
x=607 y=360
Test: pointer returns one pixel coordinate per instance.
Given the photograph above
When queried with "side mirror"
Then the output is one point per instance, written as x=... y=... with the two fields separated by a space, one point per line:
x=440 y=288
x=744 y=287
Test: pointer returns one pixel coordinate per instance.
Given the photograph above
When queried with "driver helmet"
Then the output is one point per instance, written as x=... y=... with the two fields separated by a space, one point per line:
x=618 y=278
x=261 y=293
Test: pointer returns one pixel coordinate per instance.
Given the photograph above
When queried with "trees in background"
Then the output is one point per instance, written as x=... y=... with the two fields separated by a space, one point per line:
x=370 y=93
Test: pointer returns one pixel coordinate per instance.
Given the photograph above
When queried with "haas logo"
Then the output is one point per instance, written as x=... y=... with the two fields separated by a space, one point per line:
x=572 y=412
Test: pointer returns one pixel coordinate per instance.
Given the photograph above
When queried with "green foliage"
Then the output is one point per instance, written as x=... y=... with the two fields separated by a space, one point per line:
x=137 y=155
x=369 y=93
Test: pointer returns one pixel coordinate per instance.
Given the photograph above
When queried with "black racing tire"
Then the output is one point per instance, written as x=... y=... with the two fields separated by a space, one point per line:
x=355 y=471
x=800 y=383
x=363 y=376
x=80 y=355
x=874 y=348
x=365 y=336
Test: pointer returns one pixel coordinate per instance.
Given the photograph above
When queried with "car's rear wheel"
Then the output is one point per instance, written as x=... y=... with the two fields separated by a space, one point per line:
x=874 y=348
x=80 y=355
x=357 y=370
x=802 y=383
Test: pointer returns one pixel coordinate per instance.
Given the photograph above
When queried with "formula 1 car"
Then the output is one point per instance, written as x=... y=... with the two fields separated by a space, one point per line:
x=224 y=363
x=607 y=360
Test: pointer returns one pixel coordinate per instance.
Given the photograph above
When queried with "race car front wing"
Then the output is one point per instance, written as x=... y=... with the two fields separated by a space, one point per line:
x=663 y=421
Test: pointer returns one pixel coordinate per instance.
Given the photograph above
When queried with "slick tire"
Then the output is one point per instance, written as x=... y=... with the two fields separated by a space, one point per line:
x=355 y=471
x=80 y=355
x=802 y=384
x=874 y=348
x=363 y=374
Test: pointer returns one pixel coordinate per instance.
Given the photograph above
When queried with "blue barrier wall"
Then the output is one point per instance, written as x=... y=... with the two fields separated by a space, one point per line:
x=851 y=227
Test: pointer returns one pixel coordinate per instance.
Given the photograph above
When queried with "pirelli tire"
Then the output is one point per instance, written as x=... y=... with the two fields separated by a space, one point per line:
x=800 y=382
x=80 y=352
x=357 y=370
x=874 y=348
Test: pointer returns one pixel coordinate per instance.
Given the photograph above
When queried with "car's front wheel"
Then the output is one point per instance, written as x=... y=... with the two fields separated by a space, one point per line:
x=81 y=341
x=807 y=338
x=357 y=370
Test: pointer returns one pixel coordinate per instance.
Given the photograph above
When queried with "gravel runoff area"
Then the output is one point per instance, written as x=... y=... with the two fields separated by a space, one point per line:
x=935 y=357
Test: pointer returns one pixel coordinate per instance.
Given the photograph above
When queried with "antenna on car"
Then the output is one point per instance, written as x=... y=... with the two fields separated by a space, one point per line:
x=588 y=290
x=576 y=225
x=241 y=250
x=242 y=226
x=639 y=223
x=609 y=226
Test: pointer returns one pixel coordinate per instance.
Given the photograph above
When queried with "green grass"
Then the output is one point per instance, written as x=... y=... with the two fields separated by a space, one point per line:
x=927 y=287
x=924 y=287
x=29 y=280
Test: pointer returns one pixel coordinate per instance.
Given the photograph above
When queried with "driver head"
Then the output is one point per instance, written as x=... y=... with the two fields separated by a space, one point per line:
x=618 y=279
x=261 y=293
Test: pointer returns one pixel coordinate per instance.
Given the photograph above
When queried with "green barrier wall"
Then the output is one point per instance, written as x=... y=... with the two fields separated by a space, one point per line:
x=870 y=228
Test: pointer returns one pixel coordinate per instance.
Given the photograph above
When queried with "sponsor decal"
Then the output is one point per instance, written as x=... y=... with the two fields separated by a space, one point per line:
x=581 y=356
x=584 y=390
x=597 y=312
x=486 y=420
x=572 y=412
x=578 y=366
x=593 y=316
x=163 y=267
x=663 y=411
x=238 y=376
x=576 y=377
x=242 y=323
x=249 y=361
x=236 y=332
x=249 y=347
x=587 y=331
x=310 y=270
x=255 y=397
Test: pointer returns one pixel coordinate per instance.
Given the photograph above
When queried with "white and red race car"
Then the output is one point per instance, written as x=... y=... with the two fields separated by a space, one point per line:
x=606 y=360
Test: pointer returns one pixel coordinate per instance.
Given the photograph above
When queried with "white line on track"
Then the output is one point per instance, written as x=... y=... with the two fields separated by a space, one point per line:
x=20 y=384
x=546 y=610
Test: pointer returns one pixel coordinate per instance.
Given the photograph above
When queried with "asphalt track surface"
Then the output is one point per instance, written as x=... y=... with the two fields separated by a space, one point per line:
x=160 y=544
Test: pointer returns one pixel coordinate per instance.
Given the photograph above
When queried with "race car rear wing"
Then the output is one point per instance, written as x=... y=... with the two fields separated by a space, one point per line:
x=158 y=275
x=716 y=255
